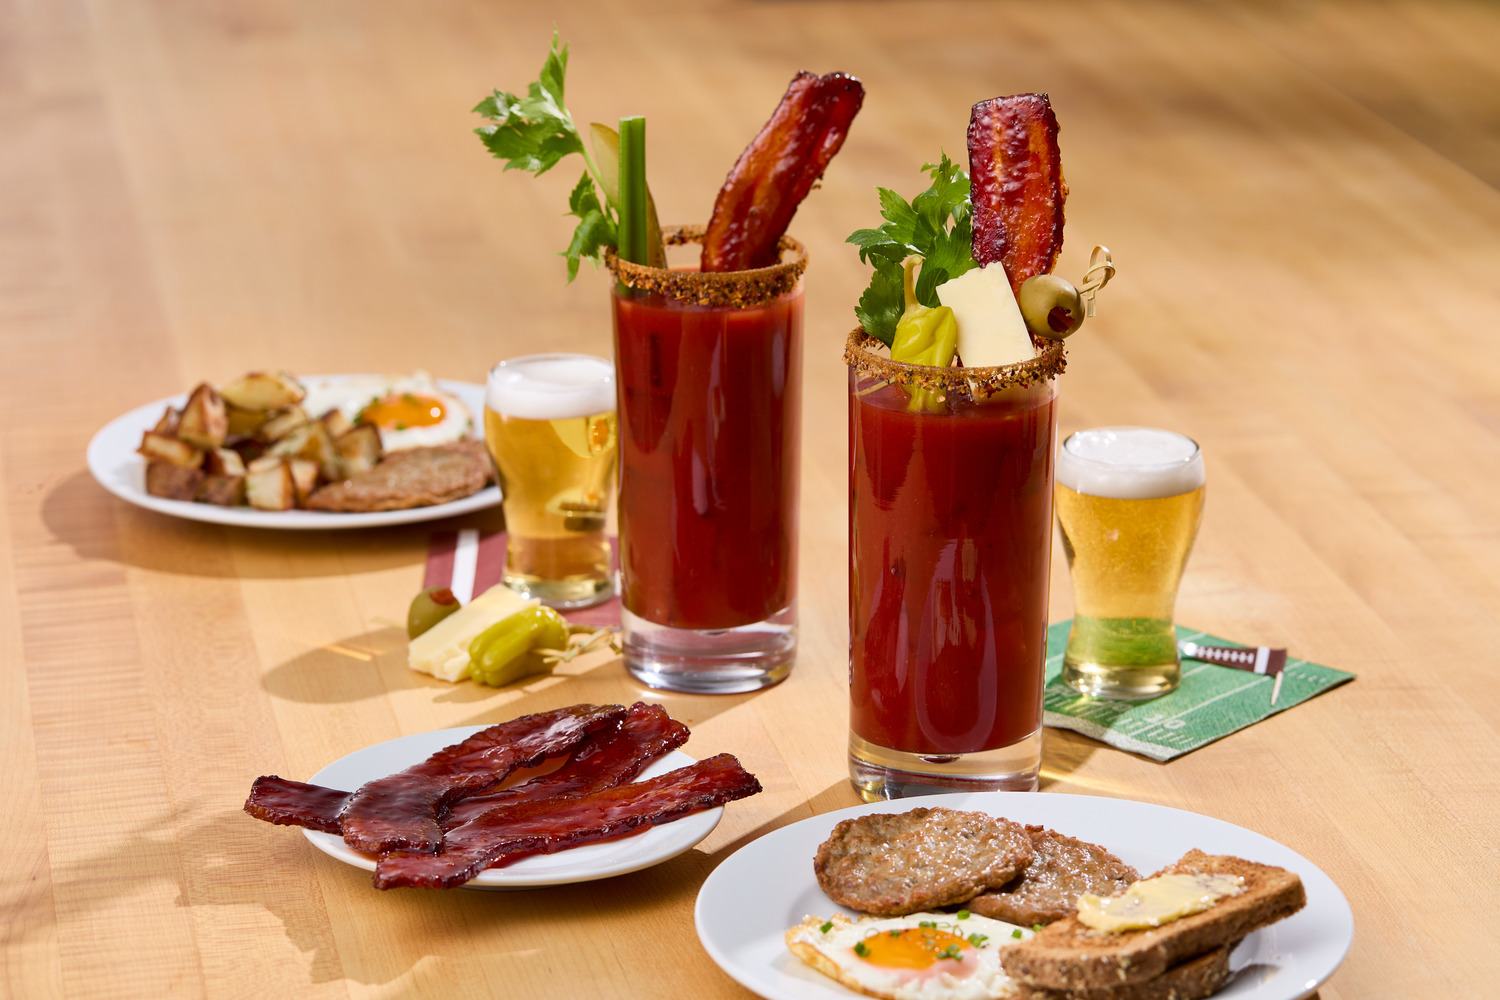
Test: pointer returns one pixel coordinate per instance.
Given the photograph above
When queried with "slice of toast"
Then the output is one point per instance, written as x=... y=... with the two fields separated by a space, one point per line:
x=1068 y=955
x=1196 y=978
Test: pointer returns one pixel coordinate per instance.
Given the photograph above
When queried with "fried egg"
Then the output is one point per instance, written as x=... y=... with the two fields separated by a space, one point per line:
x=923 y=956
x=409 y=411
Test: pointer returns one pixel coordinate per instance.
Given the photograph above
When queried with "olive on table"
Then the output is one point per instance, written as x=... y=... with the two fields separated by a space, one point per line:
x=428 y=608
x=1051 y=306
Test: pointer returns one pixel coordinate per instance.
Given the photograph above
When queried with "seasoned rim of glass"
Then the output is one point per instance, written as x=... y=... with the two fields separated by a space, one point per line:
x=859 y=354
x=735 y=289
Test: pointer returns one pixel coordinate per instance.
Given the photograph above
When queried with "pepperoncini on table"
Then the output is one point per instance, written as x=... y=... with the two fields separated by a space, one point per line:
x=528 y=642
x=925 y=335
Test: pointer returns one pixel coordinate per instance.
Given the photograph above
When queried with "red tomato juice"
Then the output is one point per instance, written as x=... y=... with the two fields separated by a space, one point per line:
x=950 y=549
x=710 y=405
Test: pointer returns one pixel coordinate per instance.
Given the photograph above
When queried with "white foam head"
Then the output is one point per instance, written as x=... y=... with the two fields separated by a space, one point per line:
x=551 y=386
x=1130 y=463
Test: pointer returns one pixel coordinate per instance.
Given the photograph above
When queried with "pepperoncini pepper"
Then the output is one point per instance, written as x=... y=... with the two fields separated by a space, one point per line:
x=510 y=649
x=925 y=335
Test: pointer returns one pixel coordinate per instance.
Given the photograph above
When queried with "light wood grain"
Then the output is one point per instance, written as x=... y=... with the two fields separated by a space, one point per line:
x=1302 y=201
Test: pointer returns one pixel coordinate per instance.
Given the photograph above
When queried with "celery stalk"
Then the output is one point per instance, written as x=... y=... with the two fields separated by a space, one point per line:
x=635 y=243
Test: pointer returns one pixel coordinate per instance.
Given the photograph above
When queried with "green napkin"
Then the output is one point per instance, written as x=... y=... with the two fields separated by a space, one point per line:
x=1211 y=702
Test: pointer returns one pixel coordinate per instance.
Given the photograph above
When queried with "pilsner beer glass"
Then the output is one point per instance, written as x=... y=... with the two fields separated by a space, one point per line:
x=1129 y=500
x=549 y=423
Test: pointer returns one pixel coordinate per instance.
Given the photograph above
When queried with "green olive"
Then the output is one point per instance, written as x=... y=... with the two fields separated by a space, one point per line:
x=1051 y=306
x=428 y=608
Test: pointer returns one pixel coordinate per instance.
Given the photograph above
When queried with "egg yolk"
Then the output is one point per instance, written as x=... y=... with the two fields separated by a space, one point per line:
x=911 y=948
x=401 y=410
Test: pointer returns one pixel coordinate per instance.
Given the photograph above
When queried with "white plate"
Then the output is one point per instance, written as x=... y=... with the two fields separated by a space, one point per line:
x=113 y=461
x=578 y=864
x=749 y=901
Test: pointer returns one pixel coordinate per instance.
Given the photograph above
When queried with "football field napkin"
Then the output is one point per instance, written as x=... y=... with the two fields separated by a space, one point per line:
x=1211 y=702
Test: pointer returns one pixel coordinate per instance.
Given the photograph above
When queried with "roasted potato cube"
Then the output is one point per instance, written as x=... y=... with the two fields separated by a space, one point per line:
x=338 y=425
x=168 y=423
x=271 y=487
x=360 y=449
x=311 y=441
x=160 y=448
x=263 y=462
x=304 y=478
x=281 y=423
x=263 y=391
x=172 y=481
x=244 y=423
x=204 y=422
x=224 y=462
x=226 y=491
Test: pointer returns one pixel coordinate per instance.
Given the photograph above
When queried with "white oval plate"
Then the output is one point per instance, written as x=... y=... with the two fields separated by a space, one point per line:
x=748 y=902
x=113 y=460
x=578 y=864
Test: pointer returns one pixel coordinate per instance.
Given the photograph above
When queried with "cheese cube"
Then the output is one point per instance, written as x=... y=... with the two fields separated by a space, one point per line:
x=443 y=650
x=990 y=328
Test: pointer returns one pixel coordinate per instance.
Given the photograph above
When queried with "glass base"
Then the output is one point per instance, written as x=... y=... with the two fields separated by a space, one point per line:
x=711 y=661
x=880 y=773
x=583 y=592
x=1117 y=683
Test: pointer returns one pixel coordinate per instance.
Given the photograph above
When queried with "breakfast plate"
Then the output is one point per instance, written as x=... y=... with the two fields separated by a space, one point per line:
x=578 y=864
x=748 y=902
x=114 y=463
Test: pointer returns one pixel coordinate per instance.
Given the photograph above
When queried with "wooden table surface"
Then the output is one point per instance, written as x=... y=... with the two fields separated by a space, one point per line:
x=1302 y=202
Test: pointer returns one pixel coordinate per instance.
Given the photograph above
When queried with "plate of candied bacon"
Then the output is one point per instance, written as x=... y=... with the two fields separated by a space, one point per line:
x=572 y=795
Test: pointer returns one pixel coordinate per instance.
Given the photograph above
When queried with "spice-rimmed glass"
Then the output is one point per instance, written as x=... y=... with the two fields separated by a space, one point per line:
x=950 y=518
x=709 y=377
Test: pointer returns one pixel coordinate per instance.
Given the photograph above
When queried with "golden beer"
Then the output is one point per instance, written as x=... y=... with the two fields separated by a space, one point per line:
x=1128 y=503
x=549 y=424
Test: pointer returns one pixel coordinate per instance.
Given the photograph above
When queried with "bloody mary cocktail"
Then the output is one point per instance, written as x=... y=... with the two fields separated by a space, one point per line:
x=949 y=556
x=709 y=396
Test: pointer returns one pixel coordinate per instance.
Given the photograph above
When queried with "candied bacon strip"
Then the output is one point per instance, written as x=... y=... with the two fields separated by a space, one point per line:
x=550 y=825
x=294 y=803
x=778 y=169
x=603 y=761
x=1016 y=185
x=401 y=810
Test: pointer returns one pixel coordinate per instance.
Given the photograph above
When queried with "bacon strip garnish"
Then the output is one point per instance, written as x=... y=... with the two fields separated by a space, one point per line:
x=604 y=759
x=401 y=810
x=1016 y=185
x=778 y=169
x=549 y=825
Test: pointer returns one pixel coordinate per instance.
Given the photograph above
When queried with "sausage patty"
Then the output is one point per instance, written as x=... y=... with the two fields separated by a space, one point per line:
x=1063 y=869
x=891 y=864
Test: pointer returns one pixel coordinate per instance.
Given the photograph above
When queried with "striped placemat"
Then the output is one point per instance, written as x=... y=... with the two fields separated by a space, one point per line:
x=470 y=561
x=1211 y=702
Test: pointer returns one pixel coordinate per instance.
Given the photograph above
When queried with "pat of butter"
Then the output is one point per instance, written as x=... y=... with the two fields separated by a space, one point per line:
x=443 y=650
x=991 y=331
x=1155 y=901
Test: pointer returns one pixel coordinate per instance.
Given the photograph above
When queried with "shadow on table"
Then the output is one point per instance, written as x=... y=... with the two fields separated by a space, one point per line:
x=100 y=527
x=1063 y=753
x=373 y=665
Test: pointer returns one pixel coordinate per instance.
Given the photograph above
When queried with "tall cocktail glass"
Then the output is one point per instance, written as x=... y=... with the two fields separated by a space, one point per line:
x=709 y=374
x=950 y=517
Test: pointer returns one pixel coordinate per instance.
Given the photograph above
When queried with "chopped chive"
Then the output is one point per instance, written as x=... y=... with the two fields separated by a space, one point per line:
x=963 y=914
x=1016 y=933
x=860 y=949
x=826 y=927
x=978 y=940
x=1036 y=927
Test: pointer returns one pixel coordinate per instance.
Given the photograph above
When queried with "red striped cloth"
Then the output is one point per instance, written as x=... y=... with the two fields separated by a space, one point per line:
x=469 y=562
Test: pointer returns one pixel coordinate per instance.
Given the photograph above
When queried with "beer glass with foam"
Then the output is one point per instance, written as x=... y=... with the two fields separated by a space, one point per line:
x=549 y=423
x=1128 y=500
